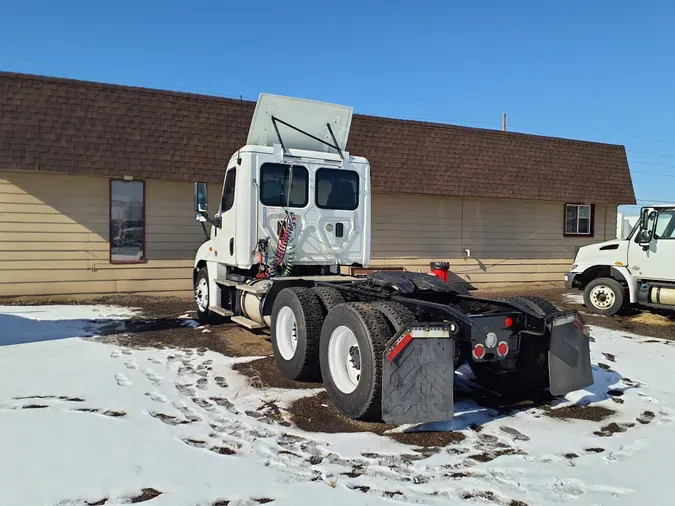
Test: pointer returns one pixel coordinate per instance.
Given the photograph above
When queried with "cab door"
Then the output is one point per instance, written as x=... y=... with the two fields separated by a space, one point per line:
x=224 y=235
x=657 y=262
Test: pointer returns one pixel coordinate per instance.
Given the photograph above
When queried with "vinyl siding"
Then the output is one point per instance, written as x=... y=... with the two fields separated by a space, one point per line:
x=510 y=241
x=54 y=238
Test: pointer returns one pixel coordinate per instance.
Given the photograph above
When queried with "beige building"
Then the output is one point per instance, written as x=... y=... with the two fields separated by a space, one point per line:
x=96 y=191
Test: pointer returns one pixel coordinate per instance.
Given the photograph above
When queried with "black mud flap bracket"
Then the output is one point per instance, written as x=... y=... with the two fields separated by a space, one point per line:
x=418 y=375
x=569 y=359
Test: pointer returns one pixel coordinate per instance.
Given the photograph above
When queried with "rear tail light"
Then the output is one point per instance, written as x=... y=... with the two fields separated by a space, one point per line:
x=502 y=349
x=478 y=351
x=508 y=323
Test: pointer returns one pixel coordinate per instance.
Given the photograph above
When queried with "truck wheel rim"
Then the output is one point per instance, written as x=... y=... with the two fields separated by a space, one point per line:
x=344 y=359
x=202 y=294
x=602 y=297
x=286 y=333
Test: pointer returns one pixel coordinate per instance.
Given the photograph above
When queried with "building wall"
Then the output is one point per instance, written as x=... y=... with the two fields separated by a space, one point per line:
x=510 y=241
x=54 y=237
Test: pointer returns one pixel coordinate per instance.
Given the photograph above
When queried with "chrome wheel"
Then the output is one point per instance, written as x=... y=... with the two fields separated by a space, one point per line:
x=286 y=332
x=202 y=294
x=602 y=297
x=344 y=359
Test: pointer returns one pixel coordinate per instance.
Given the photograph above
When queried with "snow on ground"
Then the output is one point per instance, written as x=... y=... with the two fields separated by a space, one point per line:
x=573 y=298
x=82 y=421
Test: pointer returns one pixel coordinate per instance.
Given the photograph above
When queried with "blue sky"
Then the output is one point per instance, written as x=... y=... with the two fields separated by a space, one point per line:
x=600 y=70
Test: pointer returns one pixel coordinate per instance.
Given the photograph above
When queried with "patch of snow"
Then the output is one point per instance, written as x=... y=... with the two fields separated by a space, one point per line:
x=573 y=298
x=83 y=421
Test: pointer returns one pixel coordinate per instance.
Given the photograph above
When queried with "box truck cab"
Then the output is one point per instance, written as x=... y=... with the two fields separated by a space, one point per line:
x=639 y=270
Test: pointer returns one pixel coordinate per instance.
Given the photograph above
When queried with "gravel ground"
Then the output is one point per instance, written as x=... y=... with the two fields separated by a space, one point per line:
x=160 y=326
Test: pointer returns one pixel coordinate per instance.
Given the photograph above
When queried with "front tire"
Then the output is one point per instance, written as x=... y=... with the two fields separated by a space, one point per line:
x=353 y=338
x=296 y=328
x=604 y=296
x=202 y=297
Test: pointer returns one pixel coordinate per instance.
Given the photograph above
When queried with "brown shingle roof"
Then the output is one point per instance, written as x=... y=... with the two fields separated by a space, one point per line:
x=62 y=125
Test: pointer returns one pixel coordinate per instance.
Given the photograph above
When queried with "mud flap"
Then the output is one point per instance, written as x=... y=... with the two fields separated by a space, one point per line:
x=569 y=359
x=417 y=385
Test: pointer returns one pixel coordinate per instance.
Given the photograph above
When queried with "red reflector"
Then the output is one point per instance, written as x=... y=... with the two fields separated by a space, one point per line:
x=399 y=347
x=508 y=322
x=502 y=349
x=478 y=351
x=578 y=325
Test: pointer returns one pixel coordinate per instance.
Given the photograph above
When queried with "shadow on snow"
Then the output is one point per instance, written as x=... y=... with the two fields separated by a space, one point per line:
x=17 y=329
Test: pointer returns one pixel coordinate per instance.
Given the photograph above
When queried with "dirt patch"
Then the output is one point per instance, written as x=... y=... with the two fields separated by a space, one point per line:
x=647 y=318
x=146 y=495
x=609 y=357
x=263 y=373
x=576 y=412
x=594 y=450
x=491 y=455
x=610 y=429
x=317 y=414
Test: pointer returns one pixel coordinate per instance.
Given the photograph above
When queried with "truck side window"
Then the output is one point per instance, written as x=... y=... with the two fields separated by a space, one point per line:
x=276 y=185
x=228 y=191
x=337 y=189
x=665 y=225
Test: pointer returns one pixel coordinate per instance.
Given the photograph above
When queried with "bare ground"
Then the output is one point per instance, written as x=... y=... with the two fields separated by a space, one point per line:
x=159 y=326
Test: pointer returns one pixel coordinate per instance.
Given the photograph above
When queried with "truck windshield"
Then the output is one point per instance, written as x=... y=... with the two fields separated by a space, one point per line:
x=276 y=186
x=337 y=189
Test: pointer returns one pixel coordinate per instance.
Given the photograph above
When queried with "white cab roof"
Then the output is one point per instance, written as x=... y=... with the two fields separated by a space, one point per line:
x=308 y=115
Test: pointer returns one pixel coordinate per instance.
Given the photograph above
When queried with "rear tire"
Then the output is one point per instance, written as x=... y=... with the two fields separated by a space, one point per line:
x=329 y=297
x=604 y=296
x=353 y=338
x=396 y=314
x=295 y=331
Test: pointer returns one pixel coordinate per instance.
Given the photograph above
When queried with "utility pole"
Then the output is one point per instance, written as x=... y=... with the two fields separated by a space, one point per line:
x=504 y=122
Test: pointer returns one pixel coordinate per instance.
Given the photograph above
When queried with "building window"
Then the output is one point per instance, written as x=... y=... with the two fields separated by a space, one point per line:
x=337 y=189
x=579 y=219
x=127 y=221
x=276 y=188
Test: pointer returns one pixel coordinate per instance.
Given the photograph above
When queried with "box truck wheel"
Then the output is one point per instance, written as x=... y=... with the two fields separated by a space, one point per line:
x=604 y=296
x=296 y=328
x=353 y=337
x=202 y=297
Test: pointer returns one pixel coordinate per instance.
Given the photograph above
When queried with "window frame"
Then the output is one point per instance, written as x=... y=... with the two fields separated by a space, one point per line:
x=591 y=228
x=333 y=169
x=656 y=224
x=234 y=193
x=144 y=260
x=288 y=165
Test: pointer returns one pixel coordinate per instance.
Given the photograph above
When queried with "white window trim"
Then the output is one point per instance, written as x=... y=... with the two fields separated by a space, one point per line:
x=590 y=219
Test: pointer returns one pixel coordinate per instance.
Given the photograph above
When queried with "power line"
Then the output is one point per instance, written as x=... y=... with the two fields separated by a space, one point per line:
x=652 y=173
x=654 y=164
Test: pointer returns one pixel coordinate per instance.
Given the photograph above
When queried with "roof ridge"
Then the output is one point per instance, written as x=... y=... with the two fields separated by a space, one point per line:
x=434 y=124
x=123 y=87
x=250 y=103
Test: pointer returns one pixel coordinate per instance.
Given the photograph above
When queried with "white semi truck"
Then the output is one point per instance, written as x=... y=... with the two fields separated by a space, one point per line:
x=638 y=271
x=295 y=208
